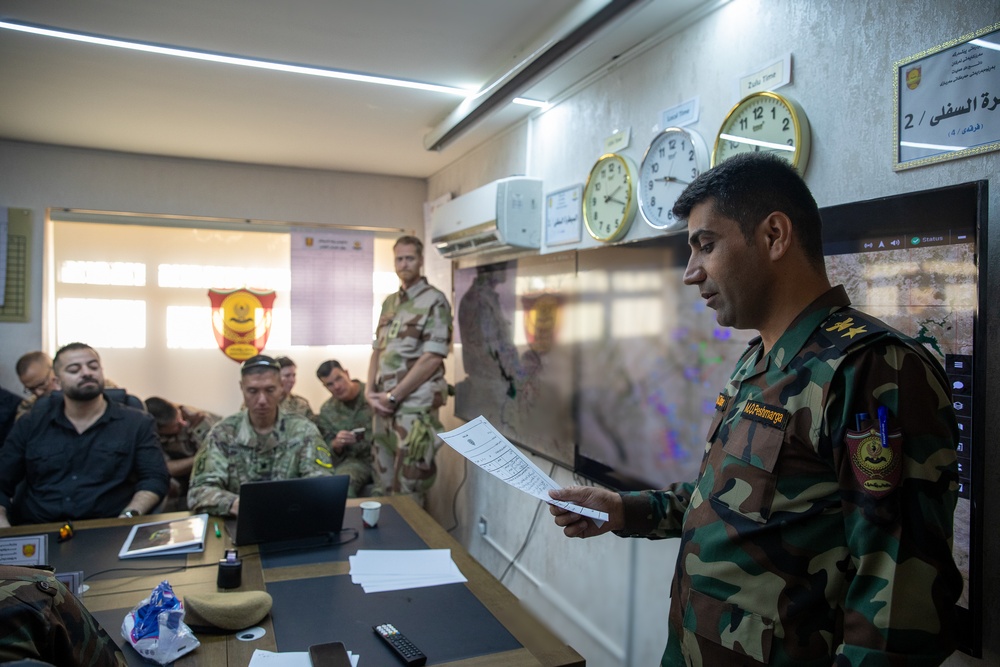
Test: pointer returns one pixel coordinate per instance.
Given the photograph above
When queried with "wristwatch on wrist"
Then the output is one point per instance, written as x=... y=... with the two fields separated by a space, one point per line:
x=130 y=513
x=392 y=399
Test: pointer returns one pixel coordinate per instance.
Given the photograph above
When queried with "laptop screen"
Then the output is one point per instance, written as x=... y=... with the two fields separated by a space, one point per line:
x=290 y=509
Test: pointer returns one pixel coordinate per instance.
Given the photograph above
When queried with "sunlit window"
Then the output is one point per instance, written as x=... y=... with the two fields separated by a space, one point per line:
x=102 y=323
x=102 y=273
x=190 y=328
x=200 y=276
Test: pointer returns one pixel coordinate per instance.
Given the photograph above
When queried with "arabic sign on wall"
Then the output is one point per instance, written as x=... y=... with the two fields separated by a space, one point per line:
x=948 y=100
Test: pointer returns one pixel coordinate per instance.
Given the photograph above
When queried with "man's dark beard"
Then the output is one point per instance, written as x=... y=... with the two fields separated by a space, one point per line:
x=84 y=393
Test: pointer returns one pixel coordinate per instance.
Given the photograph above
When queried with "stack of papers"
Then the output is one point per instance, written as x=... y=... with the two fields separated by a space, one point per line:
x=394 y=570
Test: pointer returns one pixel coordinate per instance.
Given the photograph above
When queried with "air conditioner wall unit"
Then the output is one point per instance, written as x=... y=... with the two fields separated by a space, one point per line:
x=503 y=215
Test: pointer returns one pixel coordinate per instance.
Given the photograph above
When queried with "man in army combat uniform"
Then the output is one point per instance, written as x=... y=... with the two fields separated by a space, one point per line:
x=345 y=422
x=41 y=620
x=292 y=402
x=256 y=444
x=406 y=384
x=819 y=529
x=181 y=430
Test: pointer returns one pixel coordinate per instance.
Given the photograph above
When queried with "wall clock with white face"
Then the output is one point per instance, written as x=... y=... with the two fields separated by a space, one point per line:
x=765 y=122
x=675 y=157
x=609 y=201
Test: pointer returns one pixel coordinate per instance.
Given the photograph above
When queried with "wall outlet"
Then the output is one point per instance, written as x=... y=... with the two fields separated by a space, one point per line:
x=482 y=525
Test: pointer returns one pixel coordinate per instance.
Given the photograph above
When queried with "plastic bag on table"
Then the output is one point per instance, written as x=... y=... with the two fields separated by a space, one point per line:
x=155 y=627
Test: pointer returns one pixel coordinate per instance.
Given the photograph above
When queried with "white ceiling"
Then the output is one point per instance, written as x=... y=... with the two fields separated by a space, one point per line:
x=61 y=92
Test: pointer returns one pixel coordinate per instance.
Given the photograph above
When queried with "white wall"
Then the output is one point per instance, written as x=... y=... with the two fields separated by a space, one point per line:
x=608 y=597
x=36 y=177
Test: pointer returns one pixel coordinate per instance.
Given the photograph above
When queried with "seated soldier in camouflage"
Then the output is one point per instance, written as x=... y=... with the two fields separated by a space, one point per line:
x=345 y=421
x=181 y=430
x=292 y=403
x=259 y=443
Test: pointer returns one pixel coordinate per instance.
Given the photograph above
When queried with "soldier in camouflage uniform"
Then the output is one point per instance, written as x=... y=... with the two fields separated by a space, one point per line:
x=406 y=384
x=41 y=620
x=819 y=529
x=182 y=431
x=339 y=421
x=292 y=403
x=257 y=444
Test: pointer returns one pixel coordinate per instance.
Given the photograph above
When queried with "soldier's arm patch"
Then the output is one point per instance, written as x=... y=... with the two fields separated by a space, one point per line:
x=323 y=457
x=877 y=468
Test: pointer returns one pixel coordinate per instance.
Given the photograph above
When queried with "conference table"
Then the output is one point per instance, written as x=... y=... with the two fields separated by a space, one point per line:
x=475 y=624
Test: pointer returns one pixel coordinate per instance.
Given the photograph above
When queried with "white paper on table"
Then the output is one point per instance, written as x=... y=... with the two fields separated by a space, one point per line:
x=391 y=570
x=485 y=446
x=260 y=658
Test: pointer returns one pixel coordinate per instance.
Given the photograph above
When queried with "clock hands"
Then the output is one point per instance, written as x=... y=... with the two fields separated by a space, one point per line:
x=672 y=179
x=610 y=196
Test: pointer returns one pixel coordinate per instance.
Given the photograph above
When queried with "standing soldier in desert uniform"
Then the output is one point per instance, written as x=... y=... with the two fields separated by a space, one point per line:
x=819 y=529
x=259 y=443
x=406 y=384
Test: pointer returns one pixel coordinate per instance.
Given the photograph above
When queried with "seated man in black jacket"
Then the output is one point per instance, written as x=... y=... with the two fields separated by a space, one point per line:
x=81 y=453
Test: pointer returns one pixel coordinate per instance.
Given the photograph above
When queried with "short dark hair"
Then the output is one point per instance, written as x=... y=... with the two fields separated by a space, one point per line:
x=21 y=367
x=328 y=367
x=410 y=240
x=750 y=186
x=259 y=363
x=70 y=348
x=162 y=410
x=284 y=362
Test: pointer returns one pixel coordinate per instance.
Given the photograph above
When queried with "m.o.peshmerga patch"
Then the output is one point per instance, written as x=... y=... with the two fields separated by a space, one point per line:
x=772 y=415
x=876 y=468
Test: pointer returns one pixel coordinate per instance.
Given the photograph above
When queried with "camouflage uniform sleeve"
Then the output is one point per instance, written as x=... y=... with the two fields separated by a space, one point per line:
x=314 y=456
x=40 y=619
x=211 y=489
x=436 y=337
x=655 y=514
x=898 y=519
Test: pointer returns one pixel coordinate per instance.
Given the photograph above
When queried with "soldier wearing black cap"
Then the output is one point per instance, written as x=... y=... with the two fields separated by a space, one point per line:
x=257 y=444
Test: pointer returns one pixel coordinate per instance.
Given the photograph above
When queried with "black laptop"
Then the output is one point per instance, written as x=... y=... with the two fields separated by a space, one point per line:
x=290 y=509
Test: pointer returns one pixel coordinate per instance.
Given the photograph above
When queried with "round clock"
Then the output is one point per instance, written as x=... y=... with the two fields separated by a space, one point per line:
x=674 y=158
x=765 y=122
x=609 y=204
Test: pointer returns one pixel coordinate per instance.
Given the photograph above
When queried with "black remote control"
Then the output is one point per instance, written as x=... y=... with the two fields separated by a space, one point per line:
x=404 y=648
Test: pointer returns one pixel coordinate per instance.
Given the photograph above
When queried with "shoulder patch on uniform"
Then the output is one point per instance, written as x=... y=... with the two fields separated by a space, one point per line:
x=876 y=468
x=772 y=415
x=721 y=402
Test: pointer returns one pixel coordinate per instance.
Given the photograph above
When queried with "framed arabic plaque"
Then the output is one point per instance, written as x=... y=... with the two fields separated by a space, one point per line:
x=948 y=100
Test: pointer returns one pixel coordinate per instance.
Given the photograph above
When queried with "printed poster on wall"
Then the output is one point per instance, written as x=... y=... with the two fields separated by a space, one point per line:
x=332 y=300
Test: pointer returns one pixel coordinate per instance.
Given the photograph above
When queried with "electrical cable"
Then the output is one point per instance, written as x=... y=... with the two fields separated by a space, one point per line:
x=531 y=529
x=454 y=500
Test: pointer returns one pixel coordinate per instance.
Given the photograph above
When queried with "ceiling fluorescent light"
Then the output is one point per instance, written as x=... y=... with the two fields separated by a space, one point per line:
x=230 y=59
x=556 y=50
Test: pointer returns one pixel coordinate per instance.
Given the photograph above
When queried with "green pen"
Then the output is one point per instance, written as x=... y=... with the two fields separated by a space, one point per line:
x=218 y=533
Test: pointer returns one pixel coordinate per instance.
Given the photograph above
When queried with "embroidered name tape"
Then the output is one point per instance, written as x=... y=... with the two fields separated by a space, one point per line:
x=766 y=414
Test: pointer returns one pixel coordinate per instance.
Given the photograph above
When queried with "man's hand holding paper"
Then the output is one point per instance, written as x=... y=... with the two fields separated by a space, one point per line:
x=482 y=444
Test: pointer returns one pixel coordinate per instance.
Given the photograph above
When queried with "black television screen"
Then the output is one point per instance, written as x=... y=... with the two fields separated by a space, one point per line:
x=648 y=376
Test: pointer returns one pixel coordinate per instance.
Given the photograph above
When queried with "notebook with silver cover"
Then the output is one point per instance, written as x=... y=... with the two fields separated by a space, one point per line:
x=290 y=509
